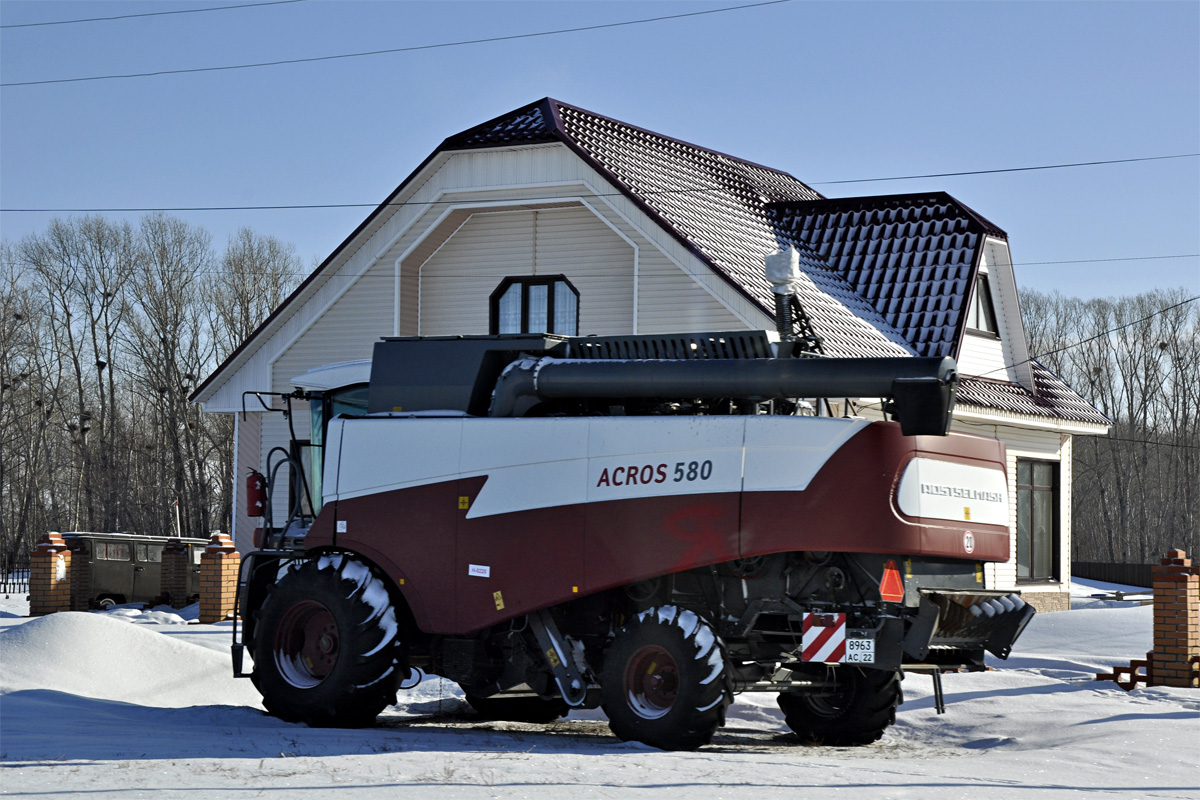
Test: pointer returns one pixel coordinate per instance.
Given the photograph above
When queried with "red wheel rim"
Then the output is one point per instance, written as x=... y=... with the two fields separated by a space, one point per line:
x=306 y=644
x=651 y=682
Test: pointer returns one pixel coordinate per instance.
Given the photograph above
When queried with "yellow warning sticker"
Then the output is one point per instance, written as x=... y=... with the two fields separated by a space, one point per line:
x=979 y=573
x=499 y=598
x=464 y=503
x=552 y=657
x=966 y=512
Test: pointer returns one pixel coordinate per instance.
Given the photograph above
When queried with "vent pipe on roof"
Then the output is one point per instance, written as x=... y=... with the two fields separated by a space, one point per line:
x=783 y=273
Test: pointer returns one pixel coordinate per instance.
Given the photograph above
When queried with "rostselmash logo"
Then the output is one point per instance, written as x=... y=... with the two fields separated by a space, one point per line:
x=961 y=493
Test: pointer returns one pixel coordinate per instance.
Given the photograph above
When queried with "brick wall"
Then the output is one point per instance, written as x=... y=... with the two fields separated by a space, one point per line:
x=49 y=576
x=1045 y=602
x=1175 y=660
x=219 y=566
x=175 y=566
x=81 y=576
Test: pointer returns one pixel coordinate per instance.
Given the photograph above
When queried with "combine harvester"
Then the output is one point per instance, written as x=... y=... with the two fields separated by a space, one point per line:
x=649 y=524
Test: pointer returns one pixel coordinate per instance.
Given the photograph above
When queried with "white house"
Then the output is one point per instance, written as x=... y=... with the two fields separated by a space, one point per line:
x=554 y=218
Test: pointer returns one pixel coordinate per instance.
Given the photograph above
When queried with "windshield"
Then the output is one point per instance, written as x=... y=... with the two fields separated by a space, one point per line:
x=352 y=400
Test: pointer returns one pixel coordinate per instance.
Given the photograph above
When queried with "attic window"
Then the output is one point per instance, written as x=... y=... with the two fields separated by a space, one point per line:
x=548 y=304
x=982 y=316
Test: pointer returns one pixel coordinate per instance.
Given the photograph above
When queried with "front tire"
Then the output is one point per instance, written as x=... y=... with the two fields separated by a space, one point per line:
x=856 y=713
x=664 y=680
x=326 y=645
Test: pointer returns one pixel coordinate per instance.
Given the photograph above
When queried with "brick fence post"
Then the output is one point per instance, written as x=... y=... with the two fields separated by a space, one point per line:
x=81 y=574
x=219 y=566
x=1175 y=660
x=175 y=566
x=49 y=576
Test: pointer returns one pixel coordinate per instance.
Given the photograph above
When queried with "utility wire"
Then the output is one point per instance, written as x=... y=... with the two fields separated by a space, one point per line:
x=1098 y=438
x=647 y=193
x=1006 y=169
x=147 y=14
x=590 y=274
x=388 y=51
x=1082 y=342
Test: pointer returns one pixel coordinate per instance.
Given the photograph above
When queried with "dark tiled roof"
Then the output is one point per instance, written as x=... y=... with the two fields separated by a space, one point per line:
x=714 y=204
x=910 y=256
x=526 y=126
x=1054 y=398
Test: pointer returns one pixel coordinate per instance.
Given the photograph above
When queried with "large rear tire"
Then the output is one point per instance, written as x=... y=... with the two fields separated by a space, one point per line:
x=519 y=709
x=326 y=645
x=856 y=713
x=664 y=680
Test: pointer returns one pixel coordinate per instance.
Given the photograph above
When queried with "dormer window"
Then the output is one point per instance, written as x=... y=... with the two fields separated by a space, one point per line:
x=982 y=314
x=527 y=304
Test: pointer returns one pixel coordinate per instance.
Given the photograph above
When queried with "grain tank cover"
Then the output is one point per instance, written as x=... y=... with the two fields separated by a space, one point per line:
x=450 y=373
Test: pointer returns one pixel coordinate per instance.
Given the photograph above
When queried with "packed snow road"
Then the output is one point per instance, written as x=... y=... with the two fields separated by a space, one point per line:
x=127 y=704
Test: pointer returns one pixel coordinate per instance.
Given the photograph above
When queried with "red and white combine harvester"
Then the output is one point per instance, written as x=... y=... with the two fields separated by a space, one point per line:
x=649 y=524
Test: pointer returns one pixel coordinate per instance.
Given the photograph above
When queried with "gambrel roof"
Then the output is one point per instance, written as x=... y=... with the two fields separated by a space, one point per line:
x=883 y=276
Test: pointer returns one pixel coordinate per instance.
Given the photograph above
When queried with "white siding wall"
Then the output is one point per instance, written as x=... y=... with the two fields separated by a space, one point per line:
x=457 y=282
x=1043 y=446
x=983 y=356
x=247 y=456
x=669 y=301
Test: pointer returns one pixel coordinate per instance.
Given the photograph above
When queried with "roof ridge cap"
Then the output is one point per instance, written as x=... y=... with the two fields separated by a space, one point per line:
x=683 y=142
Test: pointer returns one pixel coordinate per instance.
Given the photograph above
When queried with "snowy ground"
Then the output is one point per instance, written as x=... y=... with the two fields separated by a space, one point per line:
x=128 y=704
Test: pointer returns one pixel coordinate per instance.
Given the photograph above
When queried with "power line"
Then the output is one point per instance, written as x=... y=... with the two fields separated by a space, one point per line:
x=588 y=274
x=1090 y=438
x=1100 y=335
x=148 y=14
x=392 y=50
x=648 y=193
x=1006 y=169
x=1102 y=260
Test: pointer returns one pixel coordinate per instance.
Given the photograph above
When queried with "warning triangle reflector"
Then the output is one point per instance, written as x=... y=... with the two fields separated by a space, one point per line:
x=891 y=588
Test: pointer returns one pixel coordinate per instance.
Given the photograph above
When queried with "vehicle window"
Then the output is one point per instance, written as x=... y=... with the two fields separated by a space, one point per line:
x=112 y=551
x=149 y=553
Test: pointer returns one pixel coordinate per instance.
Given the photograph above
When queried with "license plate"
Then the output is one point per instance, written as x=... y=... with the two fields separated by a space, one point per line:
x=860 y=647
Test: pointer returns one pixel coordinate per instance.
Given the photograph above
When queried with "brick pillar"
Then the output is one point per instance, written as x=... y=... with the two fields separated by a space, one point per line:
x=81 y=575
x=49 y=576
x=1175 y=660
x=175 y=566
x=219 y=565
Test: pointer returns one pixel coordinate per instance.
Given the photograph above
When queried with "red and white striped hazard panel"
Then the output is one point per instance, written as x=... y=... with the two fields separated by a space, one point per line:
x=824 y=638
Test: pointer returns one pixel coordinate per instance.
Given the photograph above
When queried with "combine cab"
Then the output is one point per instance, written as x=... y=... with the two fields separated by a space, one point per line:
x=649 y=524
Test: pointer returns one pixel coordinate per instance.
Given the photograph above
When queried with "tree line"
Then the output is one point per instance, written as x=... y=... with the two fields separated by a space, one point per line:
x=1137 y=359
x=106 y=327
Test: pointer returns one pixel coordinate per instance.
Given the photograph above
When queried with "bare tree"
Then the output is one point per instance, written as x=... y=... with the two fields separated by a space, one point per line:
x=255 y=276
x=1135 y=358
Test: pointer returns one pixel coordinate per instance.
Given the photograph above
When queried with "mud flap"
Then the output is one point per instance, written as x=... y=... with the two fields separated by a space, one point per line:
x=558 y=653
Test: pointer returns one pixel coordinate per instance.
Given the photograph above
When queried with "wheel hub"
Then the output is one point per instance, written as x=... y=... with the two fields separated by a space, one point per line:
x=651 y=682
x=306 y=644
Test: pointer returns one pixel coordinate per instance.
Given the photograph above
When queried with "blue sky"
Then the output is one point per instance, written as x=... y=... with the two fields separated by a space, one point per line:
x=825 y=91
